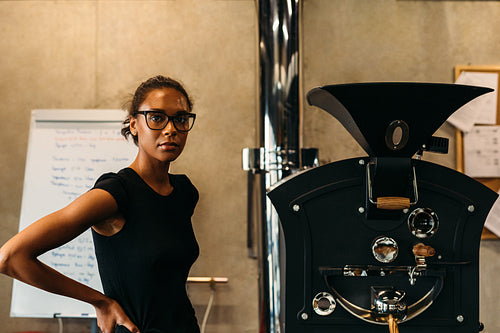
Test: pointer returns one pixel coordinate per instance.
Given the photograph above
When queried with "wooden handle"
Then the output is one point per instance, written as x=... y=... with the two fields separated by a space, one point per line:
x=423 y=250
x=393 y=203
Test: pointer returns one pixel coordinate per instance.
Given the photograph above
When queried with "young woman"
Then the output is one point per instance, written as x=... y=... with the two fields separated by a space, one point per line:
x=141 y=225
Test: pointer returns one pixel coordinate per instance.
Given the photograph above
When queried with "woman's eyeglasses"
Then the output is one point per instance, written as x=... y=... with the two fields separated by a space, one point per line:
x=157 y=120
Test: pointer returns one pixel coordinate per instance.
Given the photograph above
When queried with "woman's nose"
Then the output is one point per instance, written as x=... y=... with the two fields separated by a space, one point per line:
x=169 y=128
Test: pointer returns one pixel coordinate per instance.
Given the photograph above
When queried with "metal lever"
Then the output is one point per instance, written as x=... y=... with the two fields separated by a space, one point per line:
x=421 y=252
x=391 y=203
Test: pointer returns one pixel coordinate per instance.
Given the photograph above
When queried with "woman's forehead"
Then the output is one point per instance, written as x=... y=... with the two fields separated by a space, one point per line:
x=166 y=98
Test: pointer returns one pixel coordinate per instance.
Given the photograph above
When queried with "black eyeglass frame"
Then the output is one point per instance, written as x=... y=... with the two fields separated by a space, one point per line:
x=188 y=114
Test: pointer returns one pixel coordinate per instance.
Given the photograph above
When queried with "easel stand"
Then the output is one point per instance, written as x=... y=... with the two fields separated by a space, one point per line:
x=93 y=325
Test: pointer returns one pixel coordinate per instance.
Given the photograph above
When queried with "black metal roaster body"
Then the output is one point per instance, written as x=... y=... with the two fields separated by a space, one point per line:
x=386 y=241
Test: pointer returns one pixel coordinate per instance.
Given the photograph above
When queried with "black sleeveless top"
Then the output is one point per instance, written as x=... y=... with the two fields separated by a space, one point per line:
x=145 y=265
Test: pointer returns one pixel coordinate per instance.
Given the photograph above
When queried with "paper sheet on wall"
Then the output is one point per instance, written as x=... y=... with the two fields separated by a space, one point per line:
x=493 y=219
x=482 y=110
x=482 y=151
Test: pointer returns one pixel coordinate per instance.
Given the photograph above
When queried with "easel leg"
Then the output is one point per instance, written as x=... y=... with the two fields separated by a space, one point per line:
x=93 y=326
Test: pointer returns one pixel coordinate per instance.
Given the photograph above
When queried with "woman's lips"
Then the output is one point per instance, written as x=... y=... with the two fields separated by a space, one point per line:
x=168 y=146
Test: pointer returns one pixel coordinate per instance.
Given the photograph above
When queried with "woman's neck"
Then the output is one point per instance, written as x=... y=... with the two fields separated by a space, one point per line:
x=154 y=174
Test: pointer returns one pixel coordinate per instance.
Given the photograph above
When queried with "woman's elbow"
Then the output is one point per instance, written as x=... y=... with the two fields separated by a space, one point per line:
x=4 y=260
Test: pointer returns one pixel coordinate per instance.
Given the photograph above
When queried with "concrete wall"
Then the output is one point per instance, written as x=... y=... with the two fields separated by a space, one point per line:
x=92 y=54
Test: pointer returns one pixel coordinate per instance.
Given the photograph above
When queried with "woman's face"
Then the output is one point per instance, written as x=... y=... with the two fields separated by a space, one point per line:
x=162 y=145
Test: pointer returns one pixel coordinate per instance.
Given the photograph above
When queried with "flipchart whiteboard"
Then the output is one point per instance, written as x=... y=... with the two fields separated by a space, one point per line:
x=67 y=151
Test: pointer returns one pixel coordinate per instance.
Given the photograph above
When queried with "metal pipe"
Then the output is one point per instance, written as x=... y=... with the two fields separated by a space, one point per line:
x=279 y=136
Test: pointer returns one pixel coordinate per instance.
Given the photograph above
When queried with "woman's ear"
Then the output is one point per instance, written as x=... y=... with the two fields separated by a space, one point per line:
x=133 y=125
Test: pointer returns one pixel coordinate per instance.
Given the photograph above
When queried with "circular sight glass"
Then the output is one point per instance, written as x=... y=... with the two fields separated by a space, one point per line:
x=423 y=222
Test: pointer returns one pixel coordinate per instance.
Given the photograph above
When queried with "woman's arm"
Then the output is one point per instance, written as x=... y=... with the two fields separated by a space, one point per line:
x=18 y=257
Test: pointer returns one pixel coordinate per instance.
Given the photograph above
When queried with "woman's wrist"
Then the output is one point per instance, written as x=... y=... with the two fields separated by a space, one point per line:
x=101 y=301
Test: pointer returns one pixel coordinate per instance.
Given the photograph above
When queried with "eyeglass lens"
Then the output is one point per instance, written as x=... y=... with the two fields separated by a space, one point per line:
x=159 y=120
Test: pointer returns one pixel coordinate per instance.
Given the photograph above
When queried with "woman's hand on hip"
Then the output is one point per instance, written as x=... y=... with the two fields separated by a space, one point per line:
x=110 y=314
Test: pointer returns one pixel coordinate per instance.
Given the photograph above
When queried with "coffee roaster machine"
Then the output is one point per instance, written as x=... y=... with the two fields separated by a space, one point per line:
x=384 y=242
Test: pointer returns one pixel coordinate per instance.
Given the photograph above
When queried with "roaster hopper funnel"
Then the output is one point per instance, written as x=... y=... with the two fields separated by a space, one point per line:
x=372 y=111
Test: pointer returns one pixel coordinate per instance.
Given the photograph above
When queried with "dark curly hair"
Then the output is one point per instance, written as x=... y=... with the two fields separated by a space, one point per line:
x=157 y=82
